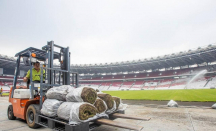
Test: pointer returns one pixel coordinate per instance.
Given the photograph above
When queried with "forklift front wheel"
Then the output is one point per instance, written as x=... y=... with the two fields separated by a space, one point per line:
x=30 y=117
x=10 y=113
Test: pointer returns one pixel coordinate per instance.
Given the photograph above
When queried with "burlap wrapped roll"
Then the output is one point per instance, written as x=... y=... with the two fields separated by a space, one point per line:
x=82 y=94
x=58 y=93
x=50 y=107
x=76 y=111
x=64 y=109
x=107 y=98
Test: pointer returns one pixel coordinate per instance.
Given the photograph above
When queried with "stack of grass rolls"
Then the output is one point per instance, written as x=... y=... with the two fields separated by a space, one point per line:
x=79 y=104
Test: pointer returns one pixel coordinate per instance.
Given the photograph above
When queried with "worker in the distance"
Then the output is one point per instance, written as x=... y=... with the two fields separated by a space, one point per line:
x=36 y=72
x=1 y=91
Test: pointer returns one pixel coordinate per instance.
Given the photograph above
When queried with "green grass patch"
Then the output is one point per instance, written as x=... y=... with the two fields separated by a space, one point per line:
x=177 y=95
x=5 y=94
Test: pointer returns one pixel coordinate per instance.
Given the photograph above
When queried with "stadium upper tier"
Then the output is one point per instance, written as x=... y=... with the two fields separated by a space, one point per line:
x=201 y=55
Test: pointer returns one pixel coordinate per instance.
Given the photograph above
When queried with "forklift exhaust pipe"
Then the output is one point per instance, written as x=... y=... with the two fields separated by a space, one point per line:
x=119 y=124
x=118 y=115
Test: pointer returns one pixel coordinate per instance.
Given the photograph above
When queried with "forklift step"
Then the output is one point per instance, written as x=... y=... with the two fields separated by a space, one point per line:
x=118 y=115
x=119 y=124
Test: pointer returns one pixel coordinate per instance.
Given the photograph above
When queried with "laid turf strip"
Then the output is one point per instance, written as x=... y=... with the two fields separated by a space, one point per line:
x=178 y=95
x=5 y=94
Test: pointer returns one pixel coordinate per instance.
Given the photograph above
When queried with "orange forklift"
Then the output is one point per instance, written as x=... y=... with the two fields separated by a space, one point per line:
x=26 y=101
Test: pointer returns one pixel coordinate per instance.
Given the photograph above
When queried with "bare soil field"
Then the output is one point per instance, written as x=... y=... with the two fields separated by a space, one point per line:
x=187 y=117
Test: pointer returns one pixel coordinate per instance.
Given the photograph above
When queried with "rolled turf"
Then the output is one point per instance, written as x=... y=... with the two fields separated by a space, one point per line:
x=117 y=100
x=100 y=105
x=76 y=111
x=107 y=98
x=87 y=111
x=89 y=95
x=82 y=94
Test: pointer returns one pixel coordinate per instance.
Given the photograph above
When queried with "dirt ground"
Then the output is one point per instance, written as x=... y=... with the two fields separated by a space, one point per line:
x=148 y=102
x=187 y=117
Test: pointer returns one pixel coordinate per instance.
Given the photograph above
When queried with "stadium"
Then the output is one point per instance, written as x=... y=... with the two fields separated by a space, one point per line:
x=107 y=65
x=191 y=69
x=187 y=77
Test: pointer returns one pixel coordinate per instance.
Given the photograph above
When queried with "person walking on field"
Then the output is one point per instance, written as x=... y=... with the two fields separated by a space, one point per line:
x=1 y=91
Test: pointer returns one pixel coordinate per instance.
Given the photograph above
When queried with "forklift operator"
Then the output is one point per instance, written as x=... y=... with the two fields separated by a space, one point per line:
x=36 y=72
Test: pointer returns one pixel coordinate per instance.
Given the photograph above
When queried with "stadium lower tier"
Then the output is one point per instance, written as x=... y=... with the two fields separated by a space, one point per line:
x=171 y=79
x=187 y=83
x=5 y=89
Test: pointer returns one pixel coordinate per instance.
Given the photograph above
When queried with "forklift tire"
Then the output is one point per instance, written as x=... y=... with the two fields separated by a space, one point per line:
x=10 y=113
x=30 y=117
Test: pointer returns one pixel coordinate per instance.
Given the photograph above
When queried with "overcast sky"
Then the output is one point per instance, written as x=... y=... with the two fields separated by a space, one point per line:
x=100 y=31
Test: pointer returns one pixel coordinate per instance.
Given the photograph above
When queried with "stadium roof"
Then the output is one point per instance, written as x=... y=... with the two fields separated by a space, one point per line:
x=200 y=55
x=10 y=62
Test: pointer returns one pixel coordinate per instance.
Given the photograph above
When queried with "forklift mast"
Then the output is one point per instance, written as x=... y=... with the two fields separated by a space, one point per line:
x=64 y=59
x=47 y=55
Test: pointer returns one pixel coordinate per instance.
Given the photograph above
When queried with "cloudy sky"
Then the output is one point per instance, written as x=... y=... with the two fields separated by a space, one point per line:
x=100 y=31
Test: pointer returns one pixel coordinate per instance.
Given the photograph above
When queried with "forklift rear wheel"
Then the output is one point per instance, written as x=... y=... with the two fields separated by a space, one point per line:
x=10 y=113
x=30 y=117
